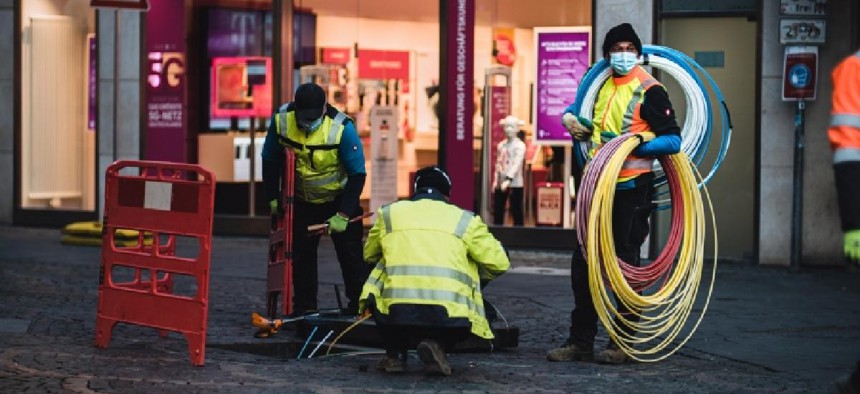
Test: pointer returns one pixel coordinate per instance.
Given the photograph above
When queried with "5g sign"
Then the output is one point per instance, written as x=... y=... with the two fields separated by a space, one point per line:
x=166 y=70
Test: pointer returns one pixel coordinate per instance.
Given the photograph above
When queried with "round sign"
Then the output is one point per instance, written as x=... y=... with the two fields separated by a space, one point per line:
x=798 y=76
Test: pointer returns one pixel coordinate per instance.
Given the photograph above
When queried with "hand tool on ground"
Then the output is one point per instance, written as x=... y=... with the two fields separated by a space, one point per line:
x=268 y=327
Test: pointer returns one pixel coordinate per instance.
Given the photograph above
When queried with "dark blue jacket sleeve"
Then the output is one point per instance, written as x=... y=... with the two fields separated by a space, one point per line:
x=350 y=151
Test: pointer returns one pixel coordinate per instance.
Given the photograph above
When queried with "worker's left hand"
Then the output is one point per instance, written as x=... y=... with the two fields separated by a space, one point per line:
x=505 y=184
x=852 y=246
x=337 y=223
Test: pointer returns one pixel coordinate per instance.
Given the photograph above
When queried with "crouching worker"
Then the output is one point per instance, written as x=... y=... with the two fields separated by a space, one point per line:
x=425 y=290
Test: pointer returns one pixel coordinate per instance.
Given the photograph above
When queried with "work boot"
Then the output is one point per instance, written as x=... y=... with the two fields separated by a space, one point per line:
x=433 y=357
x=612 y=355
x=391 y=364
x=571 y=352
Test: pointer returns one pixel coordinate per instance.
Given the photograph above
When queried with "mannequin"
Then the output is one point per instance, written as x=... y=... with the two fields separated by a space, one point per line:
x=508 y=178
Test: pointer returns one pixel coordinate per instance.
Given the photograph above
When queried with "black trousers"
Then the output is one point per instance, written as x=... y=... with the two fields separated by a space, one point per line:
x=400 y=338
x=630 y=212
x=515 y=194
x=348 y=246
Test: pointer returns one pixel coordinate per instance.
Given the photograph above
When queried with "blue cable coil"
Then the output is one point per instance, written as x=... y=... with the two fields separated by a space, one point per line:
x=687 y=72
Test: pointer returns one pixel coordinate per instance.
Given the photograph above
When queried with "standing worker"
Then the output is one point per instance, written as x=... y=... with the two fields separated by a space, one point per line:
x=425 y=289
x=630 y=101
x=844 y=136
x=329 y=178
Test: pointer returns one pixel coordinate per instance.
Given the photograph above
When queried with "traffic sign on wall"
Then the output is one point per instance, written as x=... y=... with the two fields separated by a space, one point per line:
x=800 y=69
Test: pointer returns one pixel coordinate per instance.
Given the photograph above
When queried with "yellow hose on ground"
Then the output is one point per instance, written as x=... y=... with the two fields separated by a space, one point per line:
x=662 y=315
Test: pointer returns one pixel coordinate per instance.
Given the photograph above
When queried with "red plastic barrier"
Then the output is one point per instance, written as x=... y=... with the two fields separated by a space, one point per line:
x=279 y=275
x=165 y=200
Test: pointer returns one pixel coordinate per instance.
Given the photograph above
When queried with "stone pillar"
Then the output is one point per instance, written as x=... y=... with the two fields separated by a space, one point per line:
x=129 y=117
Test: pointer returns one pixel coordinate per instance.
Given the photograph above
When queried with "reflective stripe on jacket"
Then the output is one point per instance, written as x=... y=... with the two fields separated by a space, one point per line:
x=844 y=131
x=429 y=252
x=319 y=174
x=617 y=111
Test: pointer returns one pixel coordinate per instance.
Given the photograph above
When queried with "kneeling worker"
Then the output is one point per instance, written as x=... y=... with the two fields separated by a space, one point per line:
x=430 y=259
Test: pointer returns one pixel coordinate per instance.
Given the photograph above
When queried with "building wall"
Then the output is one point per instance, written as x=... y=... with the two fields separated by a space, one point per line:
x=128 y=108
x=7 y=108
x=609 y=13
x=822 y=238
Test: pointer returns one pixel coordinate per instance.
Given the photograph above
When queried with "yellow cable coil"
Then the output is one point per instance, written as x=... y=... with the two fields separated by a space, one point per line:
x=663 y=314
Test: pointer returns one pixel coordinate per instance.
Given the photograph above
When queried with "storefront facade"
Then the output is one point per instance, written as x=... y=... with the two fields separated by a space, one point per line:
x=386 y=64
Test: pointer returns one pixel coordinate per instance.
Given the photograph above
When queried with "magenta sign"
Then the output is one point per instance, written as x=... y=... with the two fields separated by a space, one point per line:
x=563 y=57
x=458 y=47
x=165 y=82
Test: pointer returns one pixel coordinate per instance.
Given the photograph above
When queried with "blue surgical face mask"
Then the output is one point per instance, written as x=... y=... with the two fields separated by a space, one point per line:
x=623 y=62
x=313 y=126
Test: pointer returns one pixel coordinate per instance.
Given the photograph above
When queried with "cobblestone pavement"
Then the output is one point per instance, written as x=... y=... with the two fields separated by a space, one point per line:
x=766 y=330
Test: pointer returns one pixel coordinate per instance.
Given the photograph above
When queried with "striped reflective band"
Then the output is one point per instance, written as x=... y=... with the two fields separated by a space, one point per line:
x=317 y=182
x=850 y=120
x=377 y=273
x=282 y=121
x=430 y=271
x=386 y=218
x=337 y=124
x=846 y=154
x=631 y=107
x=463 y=224
x=433 y=295
x=637 y=164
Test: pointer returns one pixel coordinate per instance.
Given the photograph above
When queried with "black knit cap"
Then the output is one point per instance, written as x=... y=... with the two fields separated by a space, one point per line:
x=622 y=32
x=433 y=177
x=309 y=102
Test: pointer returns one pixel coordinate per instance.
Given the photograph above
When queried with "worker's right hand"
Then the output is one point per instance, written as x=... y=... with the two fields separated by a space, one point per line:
x=578 y=127
x=852 y=246
x=273 y=205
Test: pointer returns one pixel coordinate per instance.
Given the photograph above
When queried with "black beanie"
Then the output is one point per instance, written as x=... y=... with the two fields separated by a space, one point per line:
x=310 y=102
x=433 y=177
x=622 y=32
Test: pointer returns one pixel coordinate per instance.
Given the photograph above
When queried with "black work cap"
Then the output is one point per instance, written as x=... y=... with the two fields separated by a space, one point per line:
x=309 y=102
x=622 y=32
x=433 y=177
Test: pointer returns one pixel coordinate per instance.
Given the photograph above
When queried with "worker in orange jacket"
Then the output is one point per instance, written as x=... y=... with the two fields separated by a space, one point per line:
x=844 y=136
x=844 y=133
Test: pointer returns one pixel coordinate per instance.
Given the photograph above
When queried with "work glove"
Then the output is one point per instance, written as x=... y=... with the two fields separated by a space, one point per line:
x=337 y=223
x=273 y=205
x=852 y=246
x=579 y=128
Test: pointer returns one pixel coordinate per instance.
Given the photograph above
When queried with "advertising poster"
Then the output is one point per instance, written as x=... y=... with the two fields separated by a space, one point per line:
x=549 y=204
x=500 y=107
x=165 y=83
x=563 y=57
x=383 y=156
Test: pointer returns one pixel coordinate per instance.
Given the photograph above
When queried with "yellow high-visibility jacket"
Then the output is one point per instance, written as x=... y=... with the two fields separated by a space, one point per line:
x=617 y=110
x=320 y=176
x=430 y=252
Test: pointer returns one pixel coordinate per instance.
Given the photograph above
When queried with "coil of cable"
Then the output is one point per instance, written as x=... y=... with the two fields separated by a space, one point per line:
x=661 y=296
x=697 y=130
